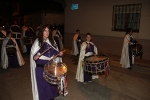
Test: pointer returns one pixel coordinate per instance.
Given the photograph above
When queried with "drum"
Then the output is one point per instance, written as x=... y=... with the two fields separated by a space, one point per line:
x=96 y=64
x=11 y=51
x=137 y=49
x=53 y=72
x=15 y=28
x=17 y=35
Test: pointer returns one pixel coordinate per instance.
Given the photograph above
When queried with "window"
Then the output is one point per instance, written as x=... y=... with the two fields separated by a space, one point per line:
x=126 y=16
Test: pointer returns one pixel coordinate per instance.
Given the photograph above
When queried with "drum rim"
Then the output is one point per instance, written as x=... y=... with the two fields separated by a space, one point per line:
x=107 y=59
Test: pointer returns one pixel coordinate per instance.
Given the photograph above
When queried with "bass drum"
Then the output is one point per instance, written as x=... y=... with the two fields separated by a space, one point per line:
x=15 y=28
x=53 y=71
x=137 y=50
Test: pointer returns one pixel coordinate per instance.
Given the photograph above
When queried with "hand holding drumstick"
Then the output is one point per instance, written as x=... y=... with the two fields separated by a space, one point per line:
x=37 y=56
x=59 y=54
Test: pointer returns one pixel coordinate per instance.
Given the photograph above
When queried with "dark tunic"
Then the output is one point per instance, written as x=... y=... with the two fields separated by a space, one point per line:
x=130 y=51
x=46 y=91
x=88 y=76
x=79 y=42
x=12 y=58
x=30 y=35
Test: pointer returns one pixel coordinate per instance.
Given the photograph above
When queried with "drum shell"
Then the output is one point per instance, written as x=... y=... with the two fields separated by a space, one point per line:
x=11 y=51
x=95 y=67
x=54 y=71
x=137 y=49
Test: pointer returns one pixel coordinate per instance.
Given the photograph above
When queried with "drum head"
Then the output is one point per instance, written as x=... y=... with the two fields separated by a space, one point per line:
x=96 y=64
x=55 y=69
x=96 y=58
x=15 y=28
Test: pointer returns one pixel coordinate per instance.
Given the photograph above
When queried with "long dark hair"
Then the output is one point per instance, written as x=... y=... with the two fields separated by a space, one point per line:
x=40 y=37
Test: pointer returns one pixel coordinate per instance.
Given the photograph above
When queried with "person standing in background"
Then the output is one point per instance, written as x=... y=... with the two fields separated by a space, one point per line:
x=77 y=41
x=127 y=58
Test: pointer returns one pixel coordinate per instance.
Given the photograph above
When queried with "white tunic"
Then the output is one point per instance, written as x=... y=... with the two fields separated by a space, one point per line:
x=75 y=50
x=34 y=50
x=125 y=53
x=80 y=71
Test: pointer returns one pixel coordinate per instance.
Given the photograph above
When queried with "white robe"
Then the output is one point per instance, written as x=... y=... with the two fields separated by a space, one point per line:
x=80 y=70
x=34 y=49
x=75 y=50
x=125 y=53
x=4 y=57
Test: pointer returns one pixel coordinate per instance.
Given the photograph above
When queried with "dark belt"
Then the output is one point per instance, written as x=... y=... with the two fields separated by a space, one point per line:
x=40 y=65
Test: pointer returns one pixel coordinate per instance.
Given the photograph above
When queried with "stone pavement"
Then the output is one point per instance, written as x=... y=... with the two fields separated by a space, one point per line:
x=121 y=84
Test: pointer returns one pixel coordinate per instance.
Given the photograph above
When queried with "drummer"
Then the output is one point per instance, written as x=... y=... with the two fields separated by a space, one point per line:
x=41 y=89
x=127 y=59
x=87 y=49
x=7 y=58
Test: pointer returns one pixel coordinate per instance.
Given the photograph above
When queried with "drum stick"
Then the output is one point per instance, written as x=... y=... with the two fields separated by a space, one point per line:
x=58 y=54
x=55 y=56
x=44 y=51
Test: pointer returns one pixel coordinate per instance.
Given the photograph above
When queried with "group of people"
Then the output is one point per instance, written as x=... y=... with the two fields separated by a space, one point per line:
x=11 y=56
x=52 y=39
x=87 y=48
x=10 y=52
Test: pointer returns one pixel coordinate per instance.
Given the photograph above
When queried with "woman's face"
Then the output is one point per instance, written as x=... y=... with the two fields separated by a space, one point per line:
x=46 y=33
x=88 y=38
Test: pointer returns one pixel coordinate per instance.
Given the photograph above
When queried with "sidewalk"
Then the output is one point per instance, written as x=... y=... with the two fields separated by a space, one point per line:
x=137 y=61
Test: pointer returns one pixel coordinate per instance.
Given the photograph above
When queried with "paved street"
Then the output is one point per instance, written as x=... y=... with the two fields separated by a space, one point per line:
x=121 y=84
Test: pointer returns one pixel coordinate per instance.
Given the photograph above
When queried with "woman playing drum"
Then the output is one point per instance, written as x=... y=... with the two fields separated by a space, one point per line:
x=41 y=89
x=87 y=49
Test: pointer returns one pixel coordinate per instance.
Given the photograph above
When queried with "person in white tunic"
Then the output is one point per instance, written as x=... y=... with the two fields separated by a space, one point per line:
x=77 y=41
x=9 y=59
x=127 y=58
x=41 y=89
x=87 y=49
